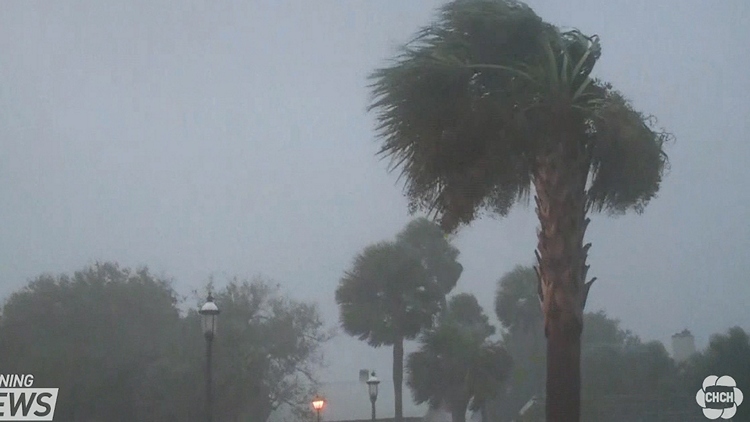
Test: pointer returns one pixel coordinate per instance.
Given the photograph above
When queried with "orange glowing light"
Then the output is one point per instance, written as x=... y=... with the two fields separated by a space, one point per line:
x=318 y=403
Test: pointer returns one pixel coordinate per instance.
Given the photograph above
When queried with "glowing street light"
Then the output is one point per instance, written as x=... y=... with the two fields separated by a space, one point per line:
x=318 y=404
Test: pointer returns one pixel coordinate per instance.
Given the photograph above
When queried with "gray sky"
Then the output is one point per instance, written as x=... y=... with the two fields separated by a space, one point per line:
x=222 y=137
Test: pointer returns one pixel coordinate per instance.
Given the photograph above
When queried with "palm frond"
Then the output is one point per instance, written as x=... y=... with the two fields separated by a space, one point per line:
x=455 y=361
x=467 y=106
x=380 y=298
x=628 y=157
x=439 y=117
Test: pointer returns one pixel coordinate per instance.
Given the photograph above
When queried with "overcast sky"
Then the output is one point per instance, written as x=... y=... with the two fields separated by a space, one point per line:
x=231 y=138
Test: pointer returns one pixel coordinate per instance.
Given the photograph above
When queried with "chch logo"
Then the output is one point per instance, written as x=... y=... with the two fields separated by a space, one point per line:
x=719 y=397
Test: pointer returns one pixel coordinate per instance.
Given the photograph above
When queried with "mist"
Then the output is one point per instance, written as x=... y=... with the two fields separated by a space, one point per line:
x=215 y=139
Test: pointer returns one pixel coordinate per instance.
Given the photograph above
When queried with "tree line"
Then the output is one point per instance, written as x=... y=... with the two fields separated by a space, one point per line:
x=488 y=107
x=123 y=345
x=395 y=292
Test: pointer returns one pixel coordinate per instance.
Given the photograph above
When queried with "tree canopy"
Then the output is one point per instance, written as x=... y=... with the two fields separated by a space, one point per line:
x=387 y=295
x=394 y=290
x=727 y=354
x=623 y=378
x=119 y=346
x=466 y=106
x=456 y=365
x=517 y=301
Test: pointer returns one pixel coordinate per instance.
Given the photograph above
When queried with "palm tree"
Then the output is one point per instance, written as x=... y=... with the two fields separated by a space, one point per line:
x=395 y=289
x=457 y=366
x=439 y=256
x=517 y=303
x=517 y=308
x=490 y=101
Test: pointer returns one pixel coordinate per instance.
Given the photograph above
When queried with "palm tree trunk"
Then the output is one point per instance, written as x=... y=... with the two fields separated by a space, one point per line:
x=560 y=182
x=398 y=373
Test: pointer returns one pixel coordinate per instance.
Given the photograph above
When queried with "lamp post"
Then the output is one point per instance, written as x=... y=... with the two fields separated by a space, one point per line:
x=318 y=404
x=372 y=388
x=209 y=315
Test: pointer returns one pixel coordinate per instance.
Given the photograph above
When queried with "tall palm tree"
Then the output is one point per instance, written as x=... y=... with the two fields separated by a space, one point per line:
x=456 y=365
x=490 y=101
x=394 y=290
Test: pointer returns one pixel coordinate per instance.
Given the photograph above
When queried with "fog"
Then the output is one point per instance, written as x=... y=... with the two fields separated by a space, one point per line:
x=231 y=138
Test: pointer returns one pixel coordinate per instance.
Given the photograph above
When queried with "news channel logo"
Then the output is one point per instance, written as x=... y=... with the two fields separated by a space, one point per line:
x=19 y=401
x=719 y=397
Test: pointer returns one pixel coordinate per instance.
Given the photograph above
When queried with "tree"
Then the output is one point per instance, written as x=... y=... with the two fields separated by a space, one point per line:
x=114 y=342
x=457 y=366
x=517 y=308
x=394 y=290
x=622 y=377
x=490 y=101
x=267 y=350
x=439 y=257
x=516 y=301
x=726 y=354
x=96 y=335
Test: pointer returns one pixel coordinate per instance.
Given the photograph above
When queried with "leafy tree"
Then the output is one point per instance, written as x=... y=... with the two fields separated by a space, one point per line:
x=394 y=290
x=726 y=354
x=96 y=335
x=267 y=351
x=114 y=342
x=620 y=374
x=624 y=379
x=456 y=365
x=489 y=101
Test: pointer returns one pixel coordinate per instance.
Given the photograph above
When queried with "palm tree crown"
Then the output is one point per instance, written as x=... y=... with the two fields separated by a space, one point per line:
x=469 y=106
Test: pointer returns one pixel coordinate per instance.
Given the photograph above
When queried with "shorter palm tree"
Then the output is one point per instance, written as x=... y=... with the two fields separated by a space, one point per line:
x=517 y=308
x=394 y=290
x=457 y=366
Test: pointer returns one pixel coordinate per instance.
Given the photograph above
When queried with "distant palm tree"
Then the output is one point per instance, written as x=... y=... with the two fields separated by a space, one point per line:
x=489 y=101
x=517 y=308
x=439 y=256
x=517 y=302
x=394 y=290
x=457 y=366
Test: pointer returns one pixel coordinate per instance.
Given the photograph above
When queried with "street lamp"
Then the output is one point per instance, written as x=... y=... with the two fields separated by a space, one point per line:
x=372 y=387
x=318 y=404
x=209 y=315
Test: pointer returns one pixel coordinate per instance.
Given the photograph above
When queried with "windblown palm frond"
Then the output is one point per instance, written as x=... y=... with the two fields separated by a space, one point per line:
x=442 y=122
x=439 y=256
x=386 y=295
x=491 y=368
x=466 y=108
x=456 y=364
x=628 y=159
x=516 y=301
